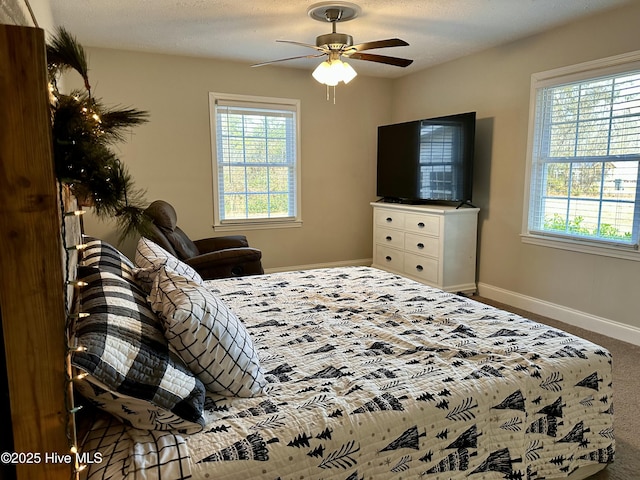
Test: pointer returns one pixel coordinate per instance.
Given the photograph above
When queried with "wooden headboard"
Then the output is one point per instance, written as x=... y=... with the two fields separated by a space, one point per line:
x=33 y=271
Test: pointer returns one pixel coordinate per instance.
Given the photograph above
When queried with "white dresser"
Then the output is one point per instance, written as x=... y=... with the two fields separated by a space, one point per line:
x=435 y=245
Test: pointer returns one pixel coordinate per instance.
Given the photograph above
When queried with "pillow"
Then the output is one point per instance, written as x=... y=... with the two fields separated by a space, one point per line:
x=151 y=257
x=126 y=356
x=208 y=336
x=101 y=254
x=133 y=411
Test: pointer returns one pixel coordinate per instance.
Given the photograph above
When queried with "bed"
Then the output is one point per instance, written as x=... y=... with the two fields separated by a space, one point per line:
x=360 y=373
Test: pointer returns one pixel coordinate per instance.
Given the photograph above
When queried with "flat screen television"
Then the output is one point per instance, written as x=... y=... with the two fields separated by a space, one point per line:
x=429 y=160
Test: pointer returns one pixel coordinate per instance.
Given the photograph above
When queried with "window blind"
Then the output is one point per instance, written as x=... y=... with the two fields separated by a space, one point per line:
x=585 y=158
x=256 y=160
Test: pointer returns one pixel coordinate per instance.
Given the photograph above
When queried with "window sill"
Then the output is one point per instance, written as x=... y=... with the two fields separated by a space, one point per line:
x=625 y=253
x=256 y=225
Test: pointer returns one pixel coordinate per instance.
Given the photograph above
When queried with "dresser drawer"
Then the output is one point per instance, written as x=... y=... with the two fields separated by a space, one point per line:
x=422 y=244
x=424 y=268
x=389 y=218
x=388 y=237
x=389 y=258
x=422 y=223
x=433 y=244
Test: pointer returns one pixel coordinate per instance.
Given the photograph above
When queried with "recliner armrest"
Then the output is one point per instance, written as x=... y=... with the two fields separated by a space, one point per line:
x=230 y=262
x=213 y=244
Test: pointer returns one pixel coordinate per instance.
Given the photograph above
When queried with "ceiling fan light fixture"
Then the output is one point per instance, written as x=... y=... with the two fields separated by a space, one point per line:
x=332 y=72
x=348 y=73
x=336 y=45
x=321 y=73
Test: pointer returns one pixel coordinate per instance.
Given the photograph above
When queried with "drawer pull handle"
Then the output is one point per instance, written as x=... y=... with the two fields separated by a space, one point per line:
x=421 y=225
x=420 y=245
x=387 y=258
x=419 y=268
x=389 y=238
x=389 y=219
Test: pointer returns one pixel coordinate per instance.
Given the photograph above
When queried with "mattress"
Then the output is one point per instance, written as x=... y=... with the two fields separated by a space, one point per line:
x=372 y=375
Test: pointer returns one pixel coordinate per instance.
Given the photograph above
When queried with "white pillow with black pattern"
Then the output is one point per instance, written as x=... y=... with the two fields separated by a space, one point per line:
x=127 y=453
x=151 y=257
x=126 y=355
x=133 y=411
x=106 y=257
x=208 y=336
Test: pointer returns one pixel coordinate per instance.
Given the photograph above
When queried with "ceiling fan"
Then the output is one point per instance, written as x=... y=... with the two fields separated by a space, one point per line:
x=336 y=45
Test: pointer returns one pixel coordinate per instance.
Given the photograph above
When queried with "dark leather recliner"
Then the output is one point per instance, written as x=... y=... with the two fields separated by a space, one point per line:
x=216 y=257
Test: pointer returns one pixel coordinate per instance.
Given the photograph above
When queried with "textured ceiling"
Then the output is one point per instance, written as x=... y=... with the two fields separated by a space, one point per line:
x=246 y=31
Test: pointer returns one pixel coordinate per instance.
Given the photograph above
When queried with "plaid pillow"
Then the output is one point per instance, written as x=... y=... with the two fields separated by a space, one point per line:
x=99 y=253
x=127 y=355
x=151 y=257
x=207 y=335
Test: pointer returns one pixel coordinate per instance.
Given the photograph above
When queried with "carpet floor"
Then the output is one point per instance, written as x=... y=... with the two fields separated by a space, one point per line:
x=626 y=386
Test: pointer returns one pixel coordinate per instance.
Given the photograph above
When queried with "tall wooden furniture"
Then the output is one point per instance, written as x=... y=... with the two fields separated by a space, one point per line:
x=31 y=272
x=435 y=245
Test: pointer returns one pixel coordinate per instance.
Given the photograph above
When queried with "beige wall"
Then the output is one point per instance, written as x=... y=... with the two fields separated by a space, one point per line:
x=495 y=83
x=170 y=156
x=15 y=12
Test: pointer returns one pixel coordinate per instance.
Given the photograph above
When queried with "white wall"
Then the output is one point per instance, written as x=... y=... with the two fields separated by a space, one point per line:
x=496 y=84
x=170 y=156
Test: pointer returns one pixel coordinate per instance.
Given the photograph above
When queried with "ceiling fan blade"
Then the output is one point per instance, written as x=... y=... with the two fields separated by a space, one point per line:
x=287 y=59
x=391 y=42
x=302 y=44
x=395 y=61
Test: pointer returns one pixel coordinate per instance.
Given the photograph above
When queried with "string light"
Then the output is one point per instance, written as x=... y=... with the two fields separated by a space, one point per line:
x=77 y=349
x=72 y=409
x=75 y=213
x=71 y=424
x=80 y=246
x=78 y=467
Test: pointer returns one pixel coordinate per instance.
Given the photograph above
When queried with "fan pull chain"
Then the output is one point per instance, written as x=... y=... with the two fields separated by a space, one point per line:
x=334 y=94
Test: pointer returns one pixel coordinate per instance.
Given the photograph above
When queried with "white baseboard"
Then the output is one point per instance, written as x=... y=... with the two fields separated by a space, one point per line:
x=604 y=326
x=350 y=263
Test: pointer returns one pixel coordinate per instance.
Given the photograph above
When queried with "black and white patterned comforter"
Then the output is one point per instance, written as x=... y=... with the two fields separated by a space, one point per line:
x=373 y=376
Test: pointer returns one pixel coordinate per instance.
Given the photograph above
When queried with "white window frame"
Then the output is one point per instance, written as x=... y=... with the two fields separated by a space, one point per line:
x=260 y=102
x=589 y=70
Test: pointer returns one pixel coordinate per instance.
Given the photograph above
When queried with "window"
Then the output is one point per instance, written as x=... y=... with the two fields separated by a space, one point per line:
x=441 y=156
x=583 y=157
x=256 y=159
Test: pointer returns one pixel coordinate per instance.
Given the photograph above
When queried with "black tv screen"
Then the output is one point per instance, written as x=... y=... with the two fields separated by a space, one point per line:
x=429 y=160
